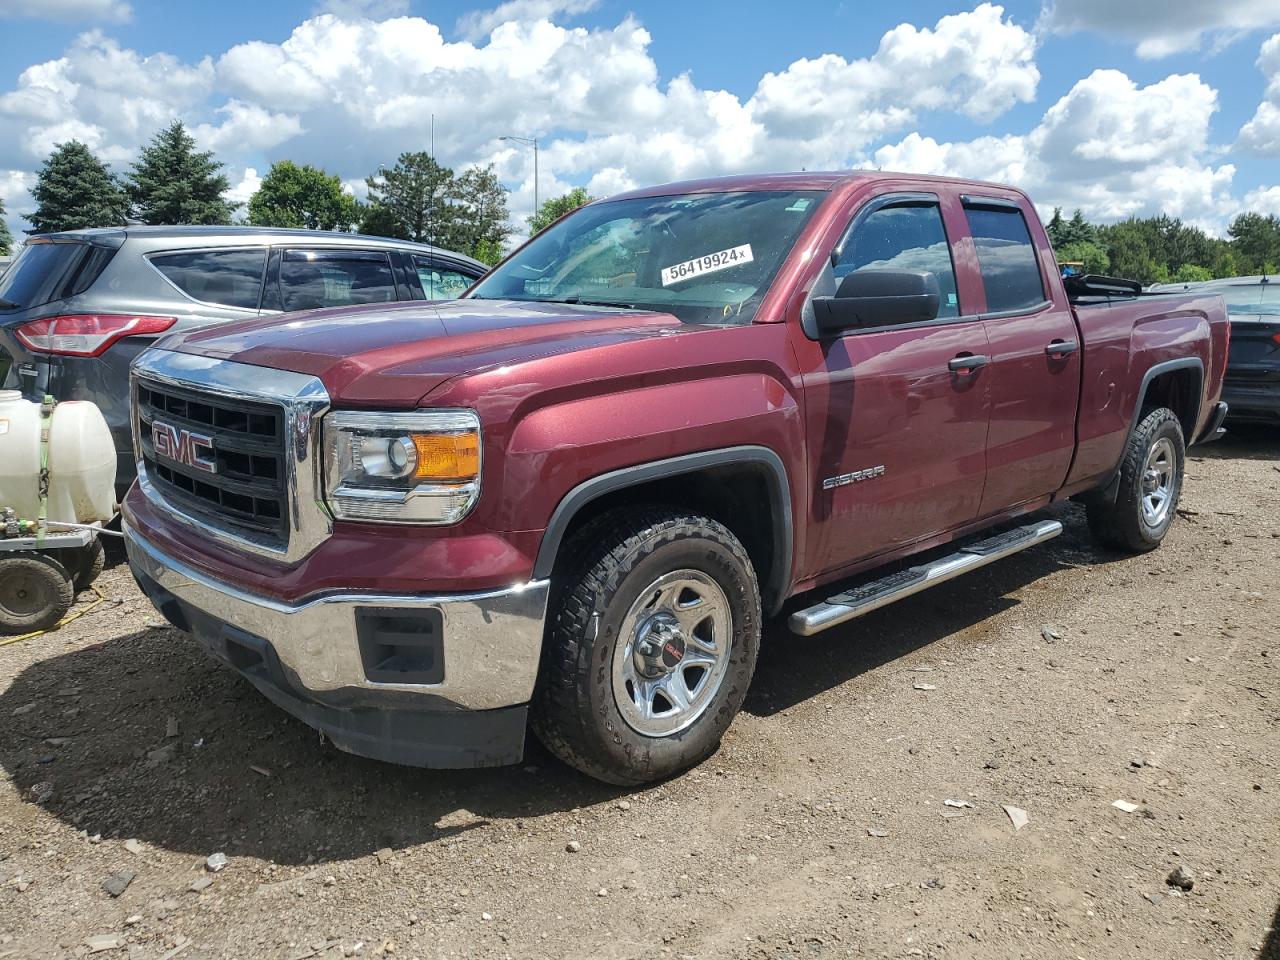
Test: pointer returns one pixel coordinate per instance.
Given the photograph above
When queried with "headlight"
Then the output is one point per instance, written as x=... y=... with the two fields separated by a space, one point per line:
x=420 y=467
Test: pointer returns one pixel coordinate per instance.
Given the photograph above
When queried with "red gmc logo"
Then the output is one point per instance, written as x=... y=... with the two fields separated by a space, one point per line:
x=182 y=446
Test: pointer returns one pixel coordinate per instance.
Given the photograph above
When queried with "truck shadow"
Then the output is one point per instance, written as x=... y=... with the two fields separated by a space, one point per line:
x=1243 y=441
x=793 y=669
x=143 y=736
x=239 y=775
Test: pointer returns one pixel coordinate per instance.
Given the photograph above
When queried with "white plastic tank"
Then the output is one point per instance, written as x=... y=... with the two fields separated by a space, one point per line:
x=82 y=460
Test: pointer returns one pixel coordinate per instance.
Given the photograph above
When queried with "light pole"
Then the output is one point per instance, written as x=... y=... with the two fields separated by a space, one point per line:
x=533 y=142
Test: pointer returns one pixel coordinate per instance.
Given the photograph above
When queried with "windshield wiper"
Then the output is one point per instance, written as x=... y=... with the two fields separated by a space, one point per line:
x=577 y=300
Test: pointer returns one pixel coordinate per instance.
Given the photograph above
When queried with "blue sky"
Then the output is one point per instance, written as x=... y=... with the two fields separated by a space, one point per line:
x=1156 y=105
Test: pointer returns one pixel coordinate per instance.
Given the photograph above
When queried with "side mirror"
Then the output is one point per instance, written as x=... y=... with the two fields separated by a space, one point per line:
x=878 y=298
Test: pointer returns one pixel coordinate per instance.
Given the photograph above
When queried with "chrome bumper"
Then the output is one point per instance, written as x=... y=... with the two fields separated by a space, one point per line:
x=492 y=641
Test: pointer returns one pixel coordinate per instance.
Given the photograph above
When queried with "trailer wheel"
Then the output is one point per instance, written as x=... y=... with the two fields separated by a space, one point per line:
x=89 y=561
x=35 y=592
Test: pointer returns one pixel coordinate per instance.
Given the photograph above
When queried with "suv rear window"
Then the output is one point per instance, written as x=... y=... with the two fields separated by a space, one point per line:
x=45 y=272
x=334 y=278
x=1010 y=268
x=232 y=278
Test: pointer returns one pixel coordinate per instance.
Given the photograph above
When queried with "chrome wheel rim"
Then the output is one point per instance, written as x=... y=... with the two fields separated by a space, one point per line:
x=1158 y=482
x=672 y=653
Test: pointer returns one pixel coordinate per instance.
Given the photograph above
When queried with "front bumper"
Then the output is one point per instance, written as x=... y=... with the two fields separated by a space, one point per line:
x=440 y=681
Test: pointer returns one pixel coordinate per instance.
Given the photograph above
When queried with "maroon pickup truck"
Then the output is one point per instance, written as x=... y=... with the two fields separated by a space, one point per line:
x=571 y=499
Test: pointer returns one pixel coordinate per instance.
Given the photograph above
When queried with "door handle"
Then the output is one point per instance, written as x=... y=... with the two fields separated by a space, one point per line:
x=967 y=363
x=1061 y=348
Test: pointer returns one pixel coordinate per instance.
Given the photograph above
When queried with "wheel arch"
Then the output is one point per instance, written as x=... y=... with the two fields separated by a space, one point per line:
x=724 y=483
x=1176 y=384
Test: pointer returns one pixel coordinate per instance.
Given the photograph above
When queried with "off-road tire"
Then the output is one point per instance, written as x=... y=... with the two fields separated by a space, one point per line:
x=1121 y=525
x=35 y=592
x=603 y=570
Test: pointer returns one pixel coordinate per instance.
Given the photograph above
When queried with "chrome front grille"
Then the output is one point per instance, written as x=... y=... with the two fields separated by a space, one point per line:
x=240 y=481
x=232 y=450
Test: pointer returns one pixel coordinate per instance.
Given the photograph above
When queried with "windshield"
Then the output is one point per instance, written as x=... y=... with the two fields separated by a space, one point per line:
x=704 y=257
x=1255 y=298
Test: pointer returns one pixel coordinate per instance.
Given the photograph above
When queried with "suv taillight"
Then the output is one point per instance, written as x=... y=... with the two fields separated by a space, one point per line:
x=87 y=334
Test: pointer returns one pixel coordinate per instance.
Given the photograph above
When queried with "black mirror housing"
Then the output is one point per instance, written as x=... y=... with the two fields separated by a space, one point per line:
x=879 y=298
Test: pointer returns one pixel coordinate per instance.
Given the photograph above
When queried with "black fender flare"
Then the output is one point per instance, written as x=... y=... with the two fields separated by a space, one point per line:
x=771 y=468
x=1111 y=489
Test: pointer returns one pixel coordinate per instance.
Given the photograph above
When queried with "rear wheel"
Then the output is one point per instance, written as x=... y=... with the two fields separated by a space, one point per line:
x=35 y=592
x=1150 y=485
x=651 y=643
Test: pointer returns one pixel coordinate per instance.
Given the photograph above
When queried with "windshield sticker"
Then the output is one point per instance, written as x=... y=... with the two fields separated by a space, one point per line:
x=733 y=257
x=800 y=206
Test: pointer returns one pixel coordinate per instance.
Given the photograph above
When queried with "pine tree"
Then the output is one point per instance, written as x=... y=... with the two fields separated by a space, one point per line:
x=6 y=238
x=479 y=222
x=412 y=199
x=74 y=189
x=172 y=182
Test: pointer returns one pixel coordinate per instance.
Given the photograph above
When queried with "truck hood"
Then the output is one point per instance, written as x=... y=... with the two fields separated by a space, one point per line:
x=391 y=355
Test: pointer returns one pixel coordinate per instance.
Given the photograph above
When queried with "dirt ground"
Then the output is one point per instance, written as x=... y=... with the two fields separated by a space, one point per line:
x=820 y=829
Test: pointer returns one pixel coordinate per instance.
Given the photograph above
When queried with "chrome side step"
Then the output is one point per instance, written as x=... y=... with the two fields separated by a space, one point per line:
x=879 y=593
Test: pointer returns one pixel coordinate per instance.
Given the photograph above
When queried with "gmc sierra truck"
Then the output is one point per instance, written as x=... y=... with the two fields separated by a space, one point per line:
x=570 y=499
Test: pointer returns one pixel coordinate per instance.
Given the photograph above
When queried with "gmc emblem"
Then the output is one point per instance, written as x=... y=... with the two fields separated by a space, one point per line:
x=182 y=446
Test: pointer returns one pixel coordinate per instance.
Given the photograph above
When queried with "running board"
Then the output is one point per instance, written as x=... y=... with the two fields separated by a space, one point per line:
x=879 y=593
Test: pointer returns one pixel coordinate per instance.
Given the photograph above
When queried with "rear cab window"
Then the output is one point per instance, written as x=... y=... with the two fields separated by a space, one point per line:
x=310 y=279
x=229 y=278
x=1006 y=256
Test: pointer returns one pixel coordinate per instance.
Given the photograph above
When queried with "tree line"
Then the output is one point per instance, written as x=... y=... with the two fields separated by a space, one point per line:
x=419 y=199
x=1163 y=249
x=172 y=182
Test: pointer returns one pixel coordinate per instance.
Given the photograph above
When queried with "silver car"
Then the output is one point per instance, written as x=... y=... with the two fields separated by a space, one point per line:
x=77 y=307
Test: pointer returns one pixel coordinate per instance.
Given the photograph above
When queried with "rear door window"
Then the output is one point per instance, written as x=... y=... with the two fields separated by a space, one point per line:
x=231 y=278
x=1007 y=258
x=45 y=272
x=440 y=281
x=333 y=278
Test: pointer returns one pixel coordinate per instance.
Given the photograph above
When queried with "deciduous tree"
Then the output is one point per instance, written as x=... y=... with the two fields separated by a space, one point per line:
x=555 y=208
x=302 y=196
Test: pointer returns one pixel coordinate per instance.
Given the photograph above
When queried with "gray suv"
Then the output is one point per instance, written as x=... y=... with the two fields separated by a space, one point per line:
x=77 y=307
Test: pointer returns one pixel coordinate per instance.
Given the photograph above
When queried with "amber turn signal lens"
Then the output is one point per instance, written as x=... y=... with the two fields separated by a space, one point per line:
x=447 y=456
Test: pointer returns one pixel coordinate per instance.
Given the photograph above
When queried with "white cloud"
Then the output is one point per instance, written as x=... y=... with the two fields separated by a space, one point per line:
x=1264 y=200
x=349 y=89
x=247 y=127
x=1162 y=27
x=1108 y=147
x=480 y=23
x=98 y=92
x=113 y=11
x=1262 y=133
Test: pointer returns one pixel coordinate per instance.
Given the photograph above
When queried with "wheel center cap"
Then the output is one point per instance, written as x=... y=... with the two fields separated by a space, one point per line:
x=660 y=645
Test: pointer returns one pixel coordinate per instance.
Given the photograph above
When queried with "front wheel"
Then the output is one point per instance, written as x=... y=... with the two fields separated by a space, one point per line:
x=1150 y=484
x=651 y=643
